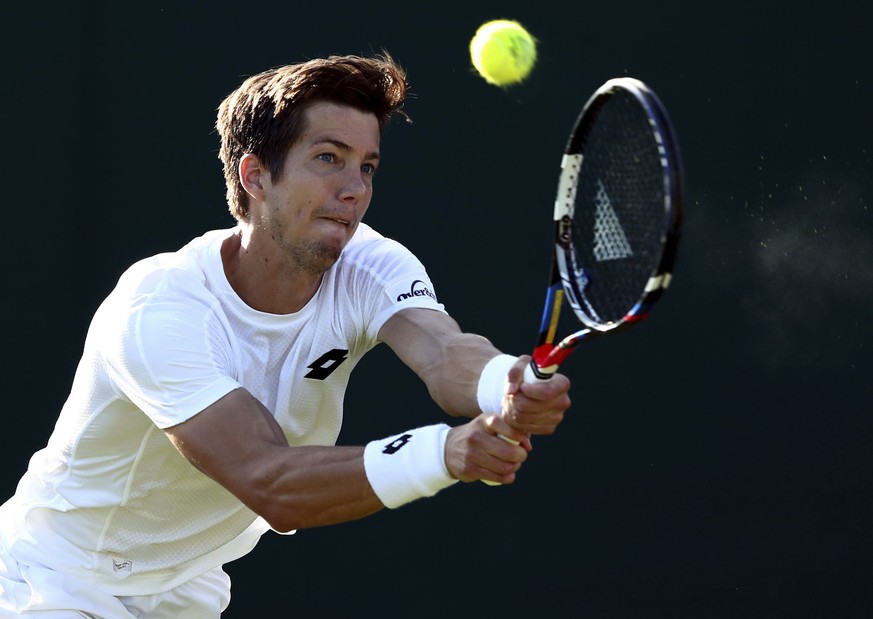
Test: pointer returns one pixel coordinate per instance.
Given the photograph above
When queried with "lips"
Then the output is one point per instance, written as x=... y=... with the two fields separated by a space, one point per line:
x=345 y=221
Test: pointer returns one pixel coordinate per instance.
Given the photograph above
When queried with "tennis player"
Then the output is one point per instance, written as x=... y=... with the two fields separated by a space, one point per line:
x=209 y=396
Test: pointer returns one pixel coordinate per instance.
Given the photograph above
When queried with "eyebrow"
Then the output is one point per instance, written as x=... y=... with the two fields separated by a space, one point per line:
x=343 y=146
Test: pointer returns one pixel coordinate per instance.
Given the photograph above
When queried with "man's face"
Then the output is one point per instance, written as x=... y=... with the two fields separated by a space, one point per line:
x=325 y=187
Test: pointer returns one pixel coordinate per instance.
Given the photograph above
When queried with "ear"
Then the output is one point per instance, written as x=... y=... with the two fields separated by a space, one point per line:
x=250 y=172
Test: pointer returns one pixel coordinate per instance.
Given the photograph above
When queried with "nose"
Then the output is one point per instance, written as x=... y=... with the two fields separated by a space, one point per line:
x=355 y=185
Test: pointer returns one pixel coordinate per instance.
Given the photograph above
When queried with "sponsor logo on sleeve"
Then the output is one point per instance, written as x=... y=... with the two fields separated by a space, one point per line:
x=417 y=289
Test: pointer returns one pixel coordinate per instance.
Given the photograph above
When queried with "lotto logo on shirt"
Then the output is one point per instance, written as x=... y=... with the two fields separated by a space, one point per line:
x=324 y=366
x=417 y=289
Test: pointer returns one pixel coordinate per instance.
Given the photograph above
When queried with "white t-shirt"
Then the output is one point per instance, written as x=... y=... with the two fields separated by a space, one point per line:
x=109 y=498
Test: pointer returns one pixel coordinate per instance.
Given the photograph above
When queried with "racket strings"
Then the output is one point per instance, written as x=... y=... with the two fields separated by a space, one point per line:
x=619 y=211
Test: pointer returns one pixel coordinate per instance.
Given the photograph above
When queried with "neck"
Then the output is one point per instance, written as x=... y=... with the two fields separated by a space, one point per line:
x=263 y=279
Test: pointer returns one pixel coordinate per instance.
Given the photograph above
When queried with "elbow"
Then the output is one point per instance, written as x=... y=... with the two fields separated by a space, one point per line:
x=278 y=508
x=283 y=527
x=280 y=513
x=280 y=519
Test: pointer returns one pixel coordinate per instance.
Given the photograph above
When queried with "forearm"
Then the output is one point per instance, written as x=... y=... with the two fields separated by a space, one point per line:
x=312 y=486
x=453 y=378
x=448 y=360
x=237 y=443
x=325 y=485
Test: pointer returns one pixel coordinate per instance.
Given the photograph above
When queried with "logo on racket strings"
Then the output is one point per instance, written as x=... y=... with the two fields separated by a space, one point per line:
x=610 y=241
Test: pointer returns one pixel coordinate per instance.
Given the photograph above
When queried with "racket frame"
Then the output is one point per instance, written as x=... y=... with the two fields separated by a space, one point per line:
x=547 y=356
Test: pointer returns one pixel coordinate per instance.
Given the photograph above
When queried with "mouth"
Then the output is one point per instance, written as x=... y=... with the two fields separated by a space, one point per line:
x=339 y=220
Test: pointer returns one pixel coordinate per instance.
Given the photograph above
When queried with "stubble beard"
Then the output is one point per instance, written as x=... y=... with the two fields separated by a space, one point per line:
x=312 y=257
x=307 y=256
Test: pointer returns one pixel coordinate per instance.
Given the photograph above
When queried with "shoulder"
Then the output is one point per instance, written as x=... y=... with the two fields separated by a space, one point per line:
x=382 y=276
x=163 y=314
x=385 y=263
x=186 y=270
x=369 y=249
x=178 y=283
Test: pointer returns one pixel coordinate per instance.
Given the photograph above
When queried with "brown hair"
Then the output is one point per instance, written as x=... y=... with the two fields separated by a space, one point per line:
x=264 y=115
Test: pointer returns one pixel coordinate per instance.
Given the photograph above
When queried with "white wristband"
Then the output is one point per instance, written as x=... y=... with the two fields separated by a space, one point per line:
x=492 y=383
x=409 y=465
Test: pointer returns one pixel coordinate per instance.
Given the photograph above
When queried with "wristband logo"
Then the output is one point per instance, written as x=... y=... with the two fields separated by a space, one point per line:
x=394 y=446
x=421 y=291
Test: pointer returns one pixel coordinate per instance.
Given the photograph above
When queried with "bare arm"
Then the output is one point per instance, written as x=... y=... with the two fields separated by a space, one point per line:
x=237 y=442
x=448 y=360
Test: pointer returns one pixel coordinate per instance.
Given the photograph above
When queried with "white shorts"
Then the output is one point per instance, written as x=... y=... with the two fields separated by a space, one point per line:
x=27 y=591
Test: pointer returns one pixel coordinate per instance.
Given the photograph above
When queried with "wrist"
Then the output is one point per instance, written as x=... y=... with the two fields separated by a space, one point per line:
x=409 y=465
x=492 y=383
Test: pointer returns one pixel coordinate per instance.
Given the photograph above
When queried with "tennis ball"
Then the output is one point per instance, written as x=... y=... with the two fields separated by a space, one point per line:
x=503 y=52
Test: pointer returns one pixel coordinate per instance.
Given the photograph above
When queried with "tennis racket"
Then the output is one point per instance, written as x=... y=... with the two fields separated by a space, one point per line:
x=617 y=219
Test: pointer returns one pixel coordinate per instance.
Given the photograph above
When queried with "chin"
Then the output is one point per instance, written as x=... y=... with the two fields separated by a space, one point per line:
x=319 y=257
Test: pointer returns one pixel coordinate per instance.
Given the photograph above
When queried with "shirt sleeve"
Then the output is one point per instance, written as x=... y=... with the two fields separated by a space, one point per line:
x=388 y=278
x=167 y=350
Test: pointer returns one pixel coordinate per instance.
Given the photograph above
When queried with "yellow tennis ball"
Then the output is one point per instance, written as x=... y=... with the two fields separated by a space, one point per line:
x=503 y=52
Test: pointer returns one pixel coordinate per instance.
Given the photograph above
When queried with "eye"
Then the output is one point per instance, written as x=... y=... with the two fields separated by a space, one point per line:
x=327 y=157
x=369 y=169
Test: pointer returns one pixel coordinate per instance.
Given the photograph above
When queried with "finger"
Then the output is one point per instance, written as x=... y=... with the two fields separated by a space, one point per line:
x=500 y=427
x=515 y=375
x=556 y=388
x=507 y=449
x=545 y=423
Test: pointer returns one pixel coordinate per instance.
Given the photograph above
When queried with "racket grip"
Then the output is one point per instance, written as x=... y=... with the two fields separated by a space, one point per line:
x=532 y=374
x=535 y=374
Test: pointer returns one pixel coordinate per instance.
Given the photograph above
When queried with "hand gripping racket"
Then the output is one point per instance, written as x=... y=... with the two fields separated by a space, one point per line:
x=617 y=220
x=618 y=213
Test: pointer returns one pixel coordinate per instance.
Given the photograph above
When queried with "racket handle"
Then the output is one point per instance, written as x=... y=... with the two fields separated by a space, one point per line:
x=535 y=374
x=530 y=376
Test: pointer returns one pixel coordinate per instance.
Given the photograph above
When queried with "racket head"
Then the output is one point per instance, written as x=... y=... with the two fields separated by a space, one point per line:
x=618 y=209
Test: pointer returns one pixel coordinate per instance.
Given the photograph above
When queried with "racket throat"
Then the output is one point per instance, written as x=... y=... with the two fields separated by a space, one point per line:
x=548 y=357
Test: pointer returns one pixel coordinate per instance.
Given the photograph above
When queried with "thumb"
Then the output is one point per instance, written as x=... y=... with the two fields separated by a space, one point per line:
x=515 y=375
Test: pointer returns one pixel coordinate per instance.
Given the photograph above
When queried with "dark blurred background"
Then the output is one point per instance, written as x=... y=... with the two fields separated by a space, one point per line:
x=716 y=461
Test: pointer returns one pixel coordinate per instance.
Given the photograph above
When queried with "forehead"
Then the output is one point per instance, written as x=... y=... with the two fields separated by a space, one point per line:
x=327 y=121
